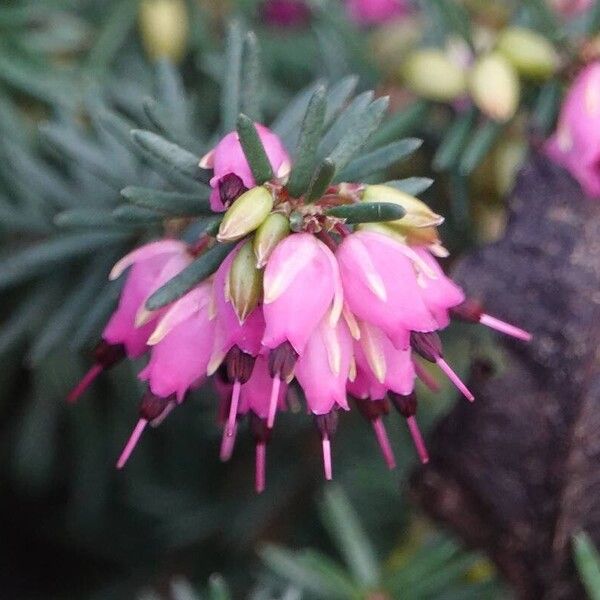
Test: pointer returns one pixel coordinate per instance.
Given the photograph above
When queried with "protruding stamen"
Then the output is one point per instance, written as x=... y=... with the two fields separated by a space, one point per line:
x=85 y=383
x=384 y=442
x=505 y=327
x=227 y=443
x=131 y=443
x=233 y=408
x=454 y=378
x=426 y=377
x=415 y=433
x=273 y=401
x=261 y=461
x=327 y=468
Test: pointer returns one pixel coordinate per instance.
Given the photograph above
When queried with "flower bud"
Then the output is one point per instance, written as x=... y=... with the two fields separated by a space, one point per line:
x=494 y=87
x=432 y=75
x=164 y=28
x=418 y=214
x=530 y=53
x=245 y=282
x=245 y=214
x=272 y=230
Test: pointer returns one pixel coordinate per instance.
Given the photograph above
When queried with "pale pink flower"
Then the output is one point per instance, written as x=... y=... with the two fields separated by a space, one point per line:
x=232 y=174
x=285 y=13
x=571 y=8
x=576 y=143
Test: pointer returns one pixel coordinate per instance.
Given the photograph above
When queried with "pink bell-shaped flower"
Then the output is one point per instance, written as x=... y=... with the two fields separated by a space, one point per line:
x=325 y=366
x=439 y=292
x=576 y=143
x=227 y=159
x=381 y=287
x=178 y=361
x=301 y=285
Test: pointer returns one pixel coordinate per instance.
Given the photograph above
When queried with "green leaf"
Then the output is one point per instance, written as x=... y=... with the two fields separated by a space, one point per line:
x=115 y=125
x=344 y=527
x=453 y=142
x=411 y=185
x=170 y=160
x=252 y=84
x=168 y=203
x=291 y=567
x=19 y=266
x=321 y=180
x=480 y=144
x=379 y=160
x=200 y=269
x=85 y=217
x=253 y=150
x=456 y=19
x=546 y=107
x=310 y=135
x=588 y=564
x=217 y=588
x=367 y=212
x=232 y=82
x=359 y=132
x=546 y=18
x=400 y=124
x=113 y=33
x=338 y=96
x=172 y=93
x=347 y=119
x=137 y=215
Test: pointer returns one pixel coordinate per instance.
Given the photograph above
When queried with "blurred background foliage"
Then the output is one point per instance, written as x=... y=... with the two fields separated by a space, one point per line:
x=75 y=78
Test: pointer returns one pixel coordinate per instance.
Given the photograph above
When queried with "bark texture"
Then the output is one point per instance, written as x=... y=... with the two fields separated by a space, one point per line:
x=518 y=472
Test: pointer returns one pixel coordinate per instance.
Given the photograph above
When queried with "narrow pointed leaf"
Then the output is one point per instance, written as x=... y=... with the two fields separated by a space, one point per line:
x=454 y=141
x=338 y=96
x=378 y=160
x=137 y=215
x=546 y=107
x=368 y=212
x=169 y=203
x=310 y=135
x=358 y=135
x=232 y=82
x=347 y=119
x=170 y=160
x=22 y=265
x=588 y=564
x=217 y=588
x=400 y=124
x=200 y=269
x=253 y=149
x=86 y=217
x=172 y=93
x=291 y=567
x=345 y=529
x=481 y=143
x=252 y=86
x=411 y=185
x=321 y=180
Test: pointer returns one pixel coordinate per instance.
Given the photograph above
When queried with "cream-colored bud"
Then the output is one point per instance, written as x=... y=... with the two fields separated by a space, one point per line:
x=164 y=28
x=246 y=214
x=418 y=214
x=494 y=86
x=273 y=229
x=432 y=75
x=245 y=282
x=531 y=54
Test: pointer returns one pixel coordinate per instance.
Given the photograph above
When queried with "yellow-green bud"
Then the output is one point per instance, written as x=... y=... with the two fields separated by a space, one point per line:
x=418 y=214
x=432 y=75
x=164 y=28
x=273 y=229
x=494 y=86
x=245 y=214
x=244 y=284
x=530 y=53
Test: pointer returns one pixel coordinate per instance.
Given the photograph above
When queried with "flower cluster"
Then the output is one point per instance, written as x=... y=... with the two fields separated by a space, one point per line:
x=348 y=311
